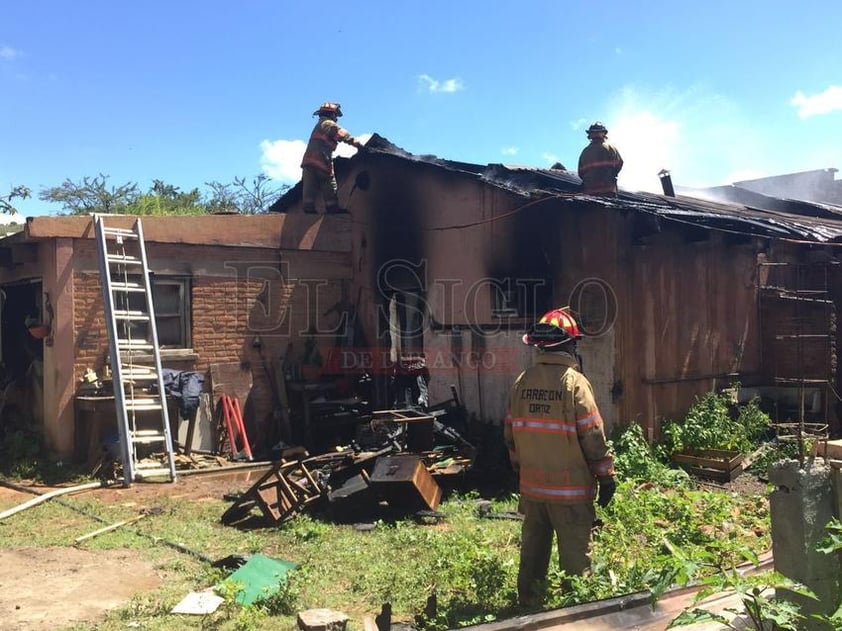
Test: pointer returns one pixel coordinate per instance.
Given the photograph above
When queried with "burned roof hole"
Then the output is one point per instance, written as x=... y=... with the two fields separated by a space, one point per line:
x=363 y=180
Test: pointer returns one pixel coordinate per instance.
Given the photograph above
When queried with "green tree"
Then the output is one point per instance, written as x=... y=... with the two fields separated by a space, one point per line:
x=242 y=196
x=166 y=199
x=91 y=195
x=19 y=192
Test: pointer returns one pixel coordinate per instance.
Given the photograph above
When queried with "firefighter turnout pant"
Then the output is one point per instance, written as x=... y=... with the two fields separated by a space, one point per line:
x=315 y=182
x=571 y=524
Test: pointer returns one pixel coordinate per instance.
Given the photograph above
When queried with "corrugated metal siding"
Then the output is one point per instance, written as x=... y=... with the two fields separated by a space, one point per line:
x=685 y=311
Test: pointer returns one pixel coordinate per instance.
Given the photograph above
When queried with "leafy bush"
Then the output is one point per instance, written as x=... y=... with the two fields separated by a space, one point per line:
x=710 y=424
x=634 y=459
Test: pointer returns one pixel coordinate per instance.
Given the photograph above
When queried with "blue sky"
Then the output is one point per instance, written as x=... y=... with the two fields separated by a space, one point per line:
x=190 y=92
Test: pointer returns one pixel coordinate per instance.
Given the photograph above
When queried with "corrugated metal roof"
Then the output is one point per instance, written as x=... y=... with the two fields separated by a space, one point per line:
x=758 y=215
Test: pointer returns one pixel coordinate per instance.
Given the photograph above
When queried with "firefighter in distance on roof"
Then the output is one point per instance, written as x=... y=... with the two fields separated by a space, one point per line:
x=599 y=163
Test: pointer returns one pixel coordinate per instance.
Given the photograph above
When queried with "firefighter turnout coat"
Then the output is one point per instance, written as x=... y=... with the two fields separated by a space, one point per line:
x=599 y=165
x=555 y=434
x=326 y=135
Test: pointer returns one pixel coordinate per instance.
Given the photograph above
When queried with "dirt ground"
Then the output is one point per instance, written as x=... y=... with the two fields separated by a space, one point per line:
x=50 y=588
x=43 y=589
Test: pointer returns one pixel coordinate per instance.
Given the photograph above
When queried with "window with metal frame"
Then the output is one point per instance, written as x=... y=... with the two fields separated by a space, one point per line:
x=171 y=298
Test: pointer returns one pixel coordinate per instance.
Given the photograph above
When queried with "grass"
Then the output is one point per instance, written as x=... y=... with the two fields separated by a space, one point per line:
x=469 y=562
x=659 y=531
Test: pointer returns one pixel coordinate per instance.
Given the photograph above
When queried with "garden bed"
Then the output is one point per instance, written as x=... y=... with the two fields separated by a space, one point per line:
x=712 y=464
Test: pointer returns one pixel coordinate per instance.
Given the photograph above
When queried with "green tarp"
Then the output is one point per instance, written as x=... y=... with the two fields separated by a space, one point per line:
x=260 y=577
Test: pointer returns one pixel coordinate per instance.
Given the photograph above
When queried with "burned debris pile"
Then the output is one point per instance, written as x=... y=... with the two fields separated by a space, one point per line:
x=395 y=464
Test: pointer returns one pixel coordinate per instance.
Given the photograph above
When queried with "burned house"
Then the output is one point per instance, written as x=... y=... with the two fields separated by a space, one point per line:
x=676 y=295
x=421 y=294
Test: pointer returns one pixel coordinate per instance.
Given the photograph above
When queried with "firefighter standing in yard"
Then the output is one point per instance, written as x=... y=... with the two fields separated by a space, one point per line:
x=317 y=165
x=599 y=163
x=556 y=443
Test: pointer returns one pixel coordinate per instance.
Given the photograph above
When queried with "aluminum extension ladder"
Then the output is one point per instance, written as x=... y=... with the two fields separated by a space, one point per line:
x=141 y=407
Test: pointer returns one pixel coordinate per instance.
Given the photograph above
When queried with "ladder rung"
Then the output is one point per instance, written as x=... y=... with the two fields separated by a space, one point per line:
x=146 y=436
x=123 y=259
x=120 y=232
x=125 y=314
x=128 y=287
x=144 y=405
x=157 y=472
x=134 y=345
x=139 y=372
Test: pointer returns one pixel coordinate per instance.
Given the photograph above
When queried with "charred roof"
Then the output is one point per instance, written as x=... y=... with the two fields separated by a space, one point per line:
x=750 y=213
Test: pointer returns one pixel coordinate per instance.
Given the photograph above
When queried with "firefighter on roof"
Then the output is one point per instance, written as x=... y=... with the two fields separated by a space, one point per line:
x=556 y=443
x=317 y=165
x=599 y=163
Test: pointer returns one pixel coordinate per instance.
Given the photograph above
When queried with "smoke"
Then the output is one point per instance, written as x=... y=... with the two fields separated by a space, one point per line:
x=697 y=135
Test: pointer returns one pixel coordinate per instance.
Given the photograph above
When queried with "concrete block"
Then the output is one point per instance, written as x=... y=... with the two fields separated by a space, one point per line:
x=322 y=620
x=801 y=505
x=832 y=449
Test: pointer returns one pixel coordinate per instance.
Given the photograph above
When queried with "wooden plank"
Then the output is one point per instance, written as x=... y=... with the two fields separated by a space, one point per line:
x=46 y=496
x=105 y=529
x=710 y=458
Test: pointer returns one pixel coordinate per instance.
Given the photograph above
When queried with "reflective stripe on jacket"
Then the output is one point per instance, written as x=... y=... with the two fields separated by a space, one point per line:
x=555 y=434
x=599 y=165
x=323 y=140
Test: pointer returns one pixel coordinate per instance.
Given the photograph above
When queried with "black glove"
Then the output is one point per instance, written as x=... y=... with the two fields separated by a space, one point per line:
x=607 y=487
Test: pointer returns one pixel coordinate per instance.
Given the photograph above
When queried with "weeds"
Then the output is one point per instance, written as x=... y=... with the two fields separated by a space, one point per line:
x=754 y=591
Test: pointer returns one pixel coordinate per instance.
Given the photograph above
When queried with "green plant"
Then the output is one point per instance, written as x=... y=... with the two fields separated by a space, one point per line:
x=832 y=544
x=754 y=591
x=710 y=424
x=634 y=459
x=772 y=452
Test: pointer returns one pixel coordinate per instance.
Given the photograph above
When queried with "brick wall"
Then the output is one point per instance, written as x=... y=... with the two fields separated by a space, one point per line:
x=227 y=313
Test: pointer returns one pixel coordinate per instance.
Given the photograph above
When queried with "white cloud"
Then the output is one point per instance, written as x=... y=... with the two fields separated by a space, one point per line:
x=578 y=124
x=509 y=151
x=281 y=159
x=8 y=53
x=426 y=82
x=817 y=104
x=551 y=158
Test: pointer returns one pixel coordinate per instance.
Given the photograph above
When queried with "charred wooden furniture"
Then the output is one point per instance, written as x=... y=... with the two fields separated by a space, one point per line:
x=403 y=481
x=280 y=494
